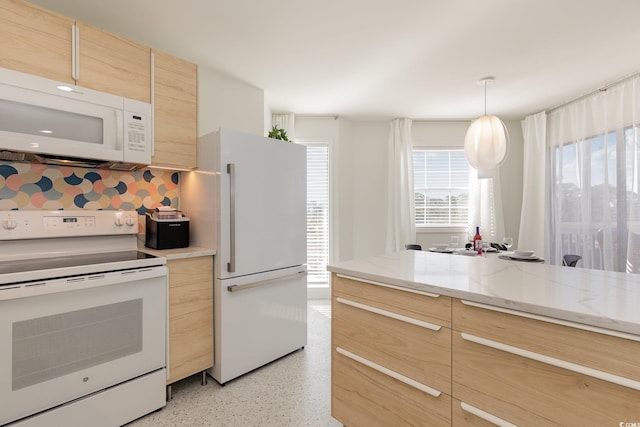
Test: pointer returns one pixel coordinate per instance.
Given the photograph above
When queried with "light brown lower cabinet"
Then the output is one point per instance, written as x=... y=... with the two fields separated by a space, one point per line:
x=394 y=364
x=364 y=396
x=190 y=316
x=391 y=360
x=533 y=370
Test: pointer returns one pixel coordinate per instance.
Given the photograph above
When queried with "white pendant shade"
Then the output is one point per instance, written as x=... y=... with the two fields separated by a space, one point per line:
x=486 y=145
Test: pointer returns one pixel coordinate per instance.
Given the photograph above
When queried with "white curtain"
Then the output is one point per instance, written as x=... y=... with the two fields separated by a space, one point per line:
x=593 y=204
x=401 y=217
x=532 y=217
x=485 y=206
x=286 y=122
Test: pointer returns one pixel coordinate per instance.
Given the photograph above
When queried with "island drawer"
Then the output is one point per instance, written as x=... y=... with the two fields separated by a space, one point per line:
x=413 y=348
x=418 y=305
x=363 y=396
x=594 y=348
x=520 y=389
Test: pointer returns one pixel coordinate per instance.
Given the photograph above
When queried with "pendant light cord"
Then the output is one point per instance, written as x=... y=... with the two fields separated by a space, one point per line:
x=485 y=99
x=485 y=82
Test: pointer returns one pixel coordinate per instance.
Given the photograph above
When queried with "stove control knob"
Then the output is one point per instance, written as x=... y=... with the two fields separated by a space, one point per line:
x=118 y=221
x=9 y=224
x=131 y=221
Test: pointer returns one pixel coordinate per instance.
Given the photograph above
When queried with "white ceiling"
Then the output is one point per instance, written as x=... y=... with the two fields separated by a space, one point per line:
x=378 y=59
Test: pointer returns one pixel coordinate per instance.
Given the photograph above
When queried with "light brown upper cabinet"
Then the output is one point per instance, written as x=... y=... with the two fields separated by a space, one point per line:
x=36 y=41
x=40 y=42
x=175 y=104
x=111 y=64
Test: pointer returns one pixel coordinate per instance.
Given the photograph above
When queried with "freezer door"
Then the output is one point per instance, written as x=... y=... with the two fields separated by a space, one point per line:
x=262 y=204
x=258 y=318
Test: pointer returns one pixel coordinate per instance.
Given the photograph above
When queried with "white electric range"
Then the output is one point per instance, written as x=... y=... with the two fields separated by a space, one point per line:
x=82 y=320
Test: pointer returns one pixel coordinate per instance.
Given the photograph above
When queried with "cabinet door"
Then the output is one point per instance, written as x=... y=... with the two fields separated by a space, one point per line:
x=414 y=349
x=34 y=40
x=534 y=369
x=417 y=305
x=525 y=391
x=364 y=397
x=111 y=64
x=175 y=111
x=190 y=316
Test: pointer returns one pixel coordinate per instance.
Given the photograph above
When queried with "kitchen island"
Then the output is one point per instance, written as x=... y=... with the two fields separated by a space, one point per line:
x=422 y=338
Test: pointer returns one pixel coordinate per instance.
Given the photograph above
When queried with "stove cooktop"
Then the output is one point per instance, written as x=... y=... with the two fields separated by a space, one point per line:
x=60 y=266
x=23 y=265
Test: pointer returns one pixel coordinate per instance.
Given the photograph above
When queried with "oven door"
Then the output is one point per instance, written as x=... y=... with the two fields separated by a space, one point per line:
x=62 y=345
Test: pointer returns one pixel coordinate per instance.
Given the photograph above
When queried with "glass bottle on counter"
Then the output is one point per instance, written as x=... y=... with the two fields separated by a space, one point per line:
x=477 y=242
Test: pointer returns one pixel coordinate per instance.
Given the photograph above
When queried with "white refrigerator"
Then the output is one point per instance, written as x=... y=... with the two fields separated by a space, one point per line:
x=247 y=200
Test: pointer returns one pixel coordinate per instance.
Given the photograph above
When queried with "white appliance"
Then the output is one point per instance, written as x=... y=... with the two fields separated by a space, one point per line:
x=53 y=122
x=248 y=201
x=83 y=327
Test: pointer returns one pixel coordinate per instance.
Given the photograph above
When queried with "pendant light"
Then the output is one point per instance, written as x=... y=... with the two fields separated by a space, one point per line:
x=486 y=143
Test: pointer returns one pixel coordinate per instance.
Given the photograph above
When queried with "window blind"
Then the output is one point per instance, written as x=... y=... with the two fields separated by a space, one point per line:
x=317 y=213
x=441 y=183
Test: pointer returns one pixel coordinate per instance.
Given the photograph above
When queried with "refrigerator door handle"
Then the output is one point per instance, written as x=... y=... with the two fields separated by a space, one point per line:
x=236 y=288
x=231 y=170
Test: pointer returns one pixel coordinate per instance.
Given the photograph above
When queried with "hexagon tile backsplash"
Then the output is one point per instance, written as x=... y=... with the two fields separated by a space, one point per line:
x=32 y=186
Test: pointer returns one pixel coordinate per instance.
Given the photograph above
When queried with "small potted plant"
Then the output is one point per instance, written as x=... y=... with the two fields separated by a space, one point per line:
x=278 y=133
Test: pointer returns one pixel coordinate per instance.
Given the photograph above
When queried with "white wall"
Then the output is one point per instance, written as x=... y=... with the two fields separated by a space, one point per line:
x=359 y=160
x=226 y=102
x=267 y=118
x=369 y=168
x=344 y=158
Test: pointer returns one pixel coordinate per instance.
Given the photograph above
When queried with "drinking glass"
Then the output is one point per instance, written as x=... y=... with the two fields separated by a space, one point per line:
x=454 y=242
x=508 y=242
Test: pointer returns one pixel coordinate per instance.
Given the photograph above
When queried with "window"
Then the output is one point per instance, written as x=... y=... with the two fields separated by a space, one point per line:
x=317 y=214
x=441 y=184
x=597 y=206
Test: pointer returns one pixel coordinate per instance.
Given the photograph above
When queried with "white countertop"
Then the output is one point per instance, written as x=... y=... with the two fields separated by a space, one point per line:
x=178 y=253
x=598 y=298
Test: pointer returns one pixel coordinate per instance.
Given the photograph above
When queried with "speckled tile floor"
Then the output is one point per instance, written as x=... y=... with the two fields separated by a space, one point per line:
x=292 y=391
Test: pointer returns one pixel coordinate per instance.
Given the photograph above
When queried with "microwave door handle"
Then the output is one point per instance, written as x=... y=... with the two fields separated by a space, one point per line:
x=75 y=52
x=120 y=131
x=153 y=104
x=231 y=170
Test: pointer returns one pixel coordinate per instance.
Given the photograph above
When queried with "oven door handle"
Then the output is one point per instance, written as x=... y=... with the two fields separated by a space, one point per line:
x=69 y=284
x=236 y=288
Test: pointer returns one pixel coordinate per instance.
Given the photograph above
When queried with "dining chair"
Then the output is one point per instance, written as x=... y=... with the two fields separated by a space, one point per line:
x=413 y=247
x=570 y=260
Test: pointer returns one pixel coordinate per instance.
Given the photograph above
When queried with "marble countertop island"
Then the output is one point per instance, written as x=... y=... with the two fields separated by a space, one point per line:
x=599 y=298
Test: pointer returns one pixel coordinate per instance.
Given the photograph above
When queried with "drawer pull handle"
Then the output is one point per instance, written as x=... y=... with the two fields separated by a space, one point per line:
x=584 y=370
x=390 y=314
x=555 y=321
x=408 y=381
x=400 y=288
x=486 y=416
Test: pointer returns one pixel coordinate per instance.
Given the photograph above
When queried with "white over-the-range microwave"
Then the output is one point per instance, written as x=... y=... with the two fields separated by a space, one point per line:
x=42 y=120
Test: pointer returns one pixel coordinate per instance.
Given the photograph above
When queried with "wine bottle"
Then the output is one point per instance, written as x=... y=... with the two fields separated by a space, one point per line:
x=477 y=242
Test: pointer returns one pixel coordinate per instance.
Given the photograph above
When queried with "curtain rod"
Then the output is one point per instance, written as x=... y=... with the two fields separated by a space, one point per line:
x=593 y=92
